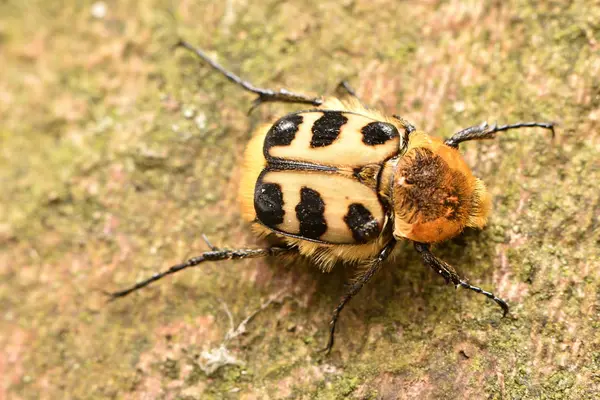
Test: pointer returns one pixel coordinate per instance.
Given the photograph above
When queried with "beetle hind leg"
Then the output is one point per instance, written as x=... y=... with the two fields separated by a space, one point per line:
x=354 y=289
x=263 y=95
x=450 y=275
x=215 y=254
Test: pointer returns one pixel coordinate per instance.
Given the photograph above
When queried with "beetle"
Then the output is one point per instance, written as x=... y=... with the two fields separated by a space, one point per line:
x=339 y=181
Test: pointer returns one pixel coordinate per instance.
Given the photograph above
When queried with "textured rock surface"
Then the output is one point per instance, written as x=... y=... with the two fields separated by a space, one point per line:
x=117 y=154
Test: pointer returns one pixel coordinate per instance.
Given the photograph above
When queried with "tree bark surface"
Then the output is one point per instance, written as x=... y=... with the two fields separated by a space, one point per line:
x=117 y=153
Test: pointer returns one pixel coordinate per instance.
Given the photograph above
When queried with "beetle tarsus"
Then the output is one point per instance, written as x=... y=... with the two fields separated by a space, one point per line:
x=489 y=295
x=484 y=131
x=281 y=96
x=450 y=275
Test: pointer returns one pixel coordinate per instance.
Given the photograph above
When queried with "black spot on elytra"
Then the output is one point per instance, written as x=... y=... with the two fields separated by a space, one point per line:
x=283 y=132
x=327 y=128
x=268 y=203
x=361 y=222
x=310 y=213
x=376 y=133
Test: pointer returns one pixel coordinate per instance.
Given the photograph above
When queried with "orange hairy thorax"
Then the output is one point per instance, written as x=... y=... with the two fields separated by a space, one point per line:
x=435 y=194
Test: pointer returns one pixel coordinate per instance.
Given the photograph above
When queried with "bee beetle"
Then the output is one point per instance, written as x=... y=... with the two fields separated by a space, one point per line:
x=343 y=182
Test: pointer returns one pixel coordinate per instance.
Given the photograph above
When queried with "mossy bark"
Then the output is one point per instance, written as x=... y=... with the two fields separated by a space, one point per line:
x=117 y=153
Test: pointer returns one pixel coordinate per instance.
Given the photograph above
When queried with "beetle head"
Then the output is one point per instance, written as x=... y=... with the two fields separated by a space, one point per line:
x=435 y=194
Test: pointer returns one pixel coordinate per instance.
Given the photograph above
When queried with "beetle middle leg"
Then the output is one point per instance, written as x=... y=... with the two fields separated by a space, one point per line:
x=450 y=275
x=215 y=254
x=263 y=95
x=347 y=90
x=355 y=288
x=484 y=131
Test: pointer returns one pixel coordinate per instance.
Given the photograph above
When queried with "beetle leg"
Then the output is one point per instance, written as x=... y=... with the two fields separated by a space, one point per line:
x=208 y=243
x=408 y=129
x=484 y=131
x=213 y=255
x=263 y=95
x=355 y=288
x=450 y=275
x=348 y=90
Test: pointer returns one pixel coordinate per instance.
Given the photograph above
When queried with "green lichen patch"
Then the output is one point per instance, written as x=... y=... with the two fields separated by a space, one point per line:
x=117 y=153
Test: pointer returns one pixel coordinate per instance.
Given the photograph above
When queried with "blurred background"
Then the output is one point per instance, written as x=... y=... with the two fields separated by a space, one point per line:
x=117 y=153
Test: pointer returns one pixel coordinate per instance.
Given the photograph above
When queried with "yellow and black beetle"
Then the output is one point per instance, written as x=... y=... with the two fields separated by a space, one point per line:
x=342 y=182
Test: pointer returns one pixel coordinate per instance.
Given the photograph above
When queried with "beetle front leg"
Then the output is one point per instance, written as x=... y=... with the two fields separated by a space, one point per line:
x=355 y=288
x=484 y=131
x=263 y=95
x=450 y=275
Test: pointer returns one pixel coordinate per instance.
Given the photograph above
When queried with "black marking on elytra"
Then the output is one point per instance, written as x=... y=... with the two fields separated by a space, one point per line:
x=327 y=128
x=378 y=132
x=361 y=222
x=268 y=203
x=283 y=132
x=310 y=213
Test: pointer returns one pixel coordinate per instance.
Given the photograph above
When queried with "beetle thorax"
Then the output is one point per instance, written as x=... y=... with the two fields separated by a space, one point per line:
x=434 y=193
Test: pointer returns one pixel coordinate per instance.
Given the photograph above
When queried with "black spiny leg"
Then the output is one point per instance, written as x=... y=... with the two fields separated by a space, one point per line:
x=355 y=288
x=213 y=255
x=484 y=131
x=264 y=95
x=347 y=89
x=450 y=274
